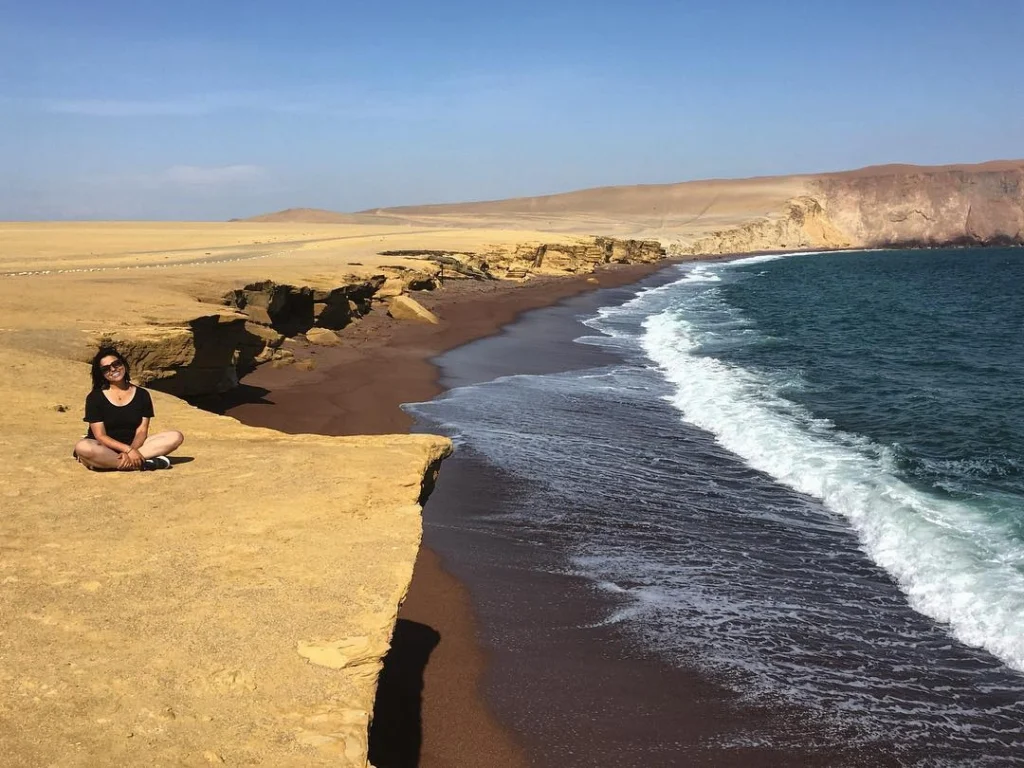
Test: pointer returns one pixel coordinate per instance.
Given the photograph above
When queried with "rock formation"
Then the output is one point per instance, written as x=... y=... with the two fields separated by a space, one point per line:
x=405 y=308
x=886 y=207
x=906 y=206
x=209 y=353
x=199 y=357
x=554 y=258
x=801 y=225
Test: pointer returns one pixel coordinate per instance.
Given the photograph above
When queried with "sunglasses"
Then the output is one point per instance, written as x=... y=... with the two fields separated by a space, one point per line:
x=112 y=366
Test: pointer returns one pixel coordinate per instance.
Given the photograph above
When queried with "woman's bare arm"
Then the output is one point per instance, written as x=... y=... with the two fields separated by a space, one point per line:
x=141 y=433
x=100 y=433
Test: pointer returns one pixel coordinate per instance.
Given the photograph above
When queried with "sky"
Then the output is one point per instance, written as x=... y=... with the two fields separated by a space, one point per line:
x=188 y=110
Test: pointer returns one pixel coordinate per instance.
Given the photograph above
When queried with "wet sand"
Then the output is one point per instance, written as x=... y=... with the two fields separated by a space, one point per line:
x=431 y=709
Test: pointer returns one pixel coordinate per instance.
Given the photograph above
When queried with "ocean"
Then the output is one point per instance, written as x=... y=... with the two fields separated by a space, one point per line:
x=798 y=478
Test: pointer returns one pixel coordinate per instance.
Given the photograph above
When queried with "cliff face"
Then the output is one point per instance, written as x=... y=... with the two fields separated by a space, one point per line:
x=208 y=354
x=888 y=207
x=803 y=224
x=918 y=206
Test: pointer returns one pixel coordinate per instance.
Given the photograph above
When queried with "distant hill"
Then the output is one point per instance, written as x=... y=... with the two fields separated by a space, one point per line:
x=874 y=206
x=311 y=216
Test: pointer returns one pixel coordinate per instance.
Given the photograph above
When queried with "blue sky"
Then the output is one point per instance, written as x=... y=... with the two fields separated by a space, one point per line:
x=209 y=110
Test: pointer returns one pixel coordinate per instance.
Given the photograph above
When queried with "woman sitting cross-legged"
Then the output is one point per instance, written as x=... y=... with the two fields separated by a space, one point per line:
x=118 y=413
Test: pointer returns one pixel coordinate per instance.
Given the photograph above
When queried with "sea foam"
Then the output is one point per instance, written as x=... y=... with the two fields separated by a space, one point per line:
x=953 y=564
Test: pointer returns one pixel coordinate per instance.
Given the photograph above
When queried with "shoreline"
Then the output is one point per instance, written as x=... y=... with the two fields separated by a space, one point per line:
x=431 y=705
x=381 y=363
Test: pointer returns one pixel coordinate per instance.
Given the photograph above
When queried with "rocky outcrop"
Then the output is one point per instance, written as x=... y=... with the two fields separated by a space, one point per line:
x=290 y=309
x=208 y=354
x=450 y=263
x=802 y=225
x=582 y=256
x=400 y=279
x=585 y=257
x=887 y=207
x=198 y=357
x=405 y=308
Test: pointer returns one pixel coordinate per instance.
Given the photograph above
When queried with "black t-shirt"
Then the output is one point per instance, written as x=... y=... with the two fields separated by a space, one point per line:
x=120 y=421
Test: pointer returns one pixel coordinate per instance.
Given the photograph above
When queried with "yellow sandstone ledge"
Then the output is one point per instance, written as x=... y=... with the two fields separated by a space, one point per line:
x=233 y=609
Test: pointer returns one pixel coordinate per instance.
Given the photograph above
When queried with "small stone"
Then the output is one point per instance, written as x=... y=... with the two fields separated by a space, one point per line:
x=60 y=408
x=322 y=336
x=405 y=308
x=212 y=757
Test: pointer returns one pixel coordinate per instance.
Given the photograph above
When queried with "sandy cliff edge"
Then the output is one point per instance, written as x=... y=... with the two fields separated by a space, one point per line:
x=235 y=608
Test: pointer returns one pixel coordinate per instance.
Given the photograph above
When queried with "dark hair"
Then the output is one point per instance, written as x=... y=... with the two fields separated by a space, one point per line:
x=99 y=381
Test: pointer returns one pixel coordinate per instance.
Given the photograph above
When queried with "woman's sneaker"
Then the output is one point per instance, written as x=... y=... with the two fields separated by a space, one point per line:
x=157 y=462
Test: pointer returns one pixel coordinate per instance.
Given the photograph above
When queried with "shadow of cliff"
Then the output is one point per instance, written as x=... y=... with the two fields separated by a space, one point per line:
x=243 y=394
x=396 y=734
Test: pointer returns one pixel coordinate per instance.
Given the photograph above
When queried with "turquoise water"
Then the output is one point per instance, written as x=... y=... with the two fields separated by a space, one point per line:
x=802 y=475
x=920 y=351
x=889 y=386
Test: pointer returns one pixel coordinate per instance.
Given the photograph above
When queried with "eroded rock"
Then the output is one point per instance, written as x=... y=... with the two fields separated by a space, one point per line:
x=322 y=337
x=200 y=357
x=406 y=308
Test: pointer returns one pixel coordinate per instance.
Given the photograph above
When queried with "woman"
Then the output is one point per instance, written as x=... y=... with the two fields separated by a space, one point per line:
x=118 y=413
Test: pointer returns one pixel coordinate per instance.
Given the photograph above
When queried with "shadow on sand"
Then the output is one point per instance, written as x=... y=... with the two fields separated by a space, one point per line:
x=243 y=394
x=397 y=731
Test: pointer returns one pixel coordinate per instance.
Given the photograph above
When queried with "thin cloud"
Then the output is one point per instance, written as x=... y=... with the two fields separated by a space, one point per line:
x=128 y=108
x=464 y=96
x=186 y=105
x=188 y=179
x=211 y=176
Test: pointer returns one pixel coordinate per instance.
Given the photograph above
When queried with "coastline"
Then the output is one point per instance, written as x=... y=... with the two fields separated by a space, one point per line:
x=381 y=363
x=430 y=706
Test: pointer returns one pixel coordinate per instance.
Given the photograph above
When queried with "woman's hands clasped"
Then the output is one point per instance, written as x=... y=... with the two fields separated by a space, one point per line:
x=130 y=459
